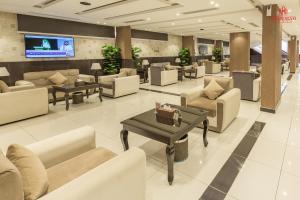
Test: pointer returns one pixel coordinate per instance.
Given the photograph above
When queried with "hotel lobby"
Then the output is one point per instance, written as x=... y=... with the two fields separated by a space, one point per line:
x=149 y=100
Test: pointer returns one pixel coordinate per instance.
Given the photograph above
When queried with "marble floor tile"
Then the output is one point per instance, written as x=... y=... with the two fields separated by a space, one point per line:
x=288 y=188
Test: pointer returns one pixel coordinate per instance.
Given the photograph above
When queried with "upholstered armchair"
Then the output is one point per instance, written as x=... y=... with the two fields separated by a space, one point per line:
x=249 y=83
x=199 y=71
x=22 y=101
x=212 y=67
x=73 y=168
x=222 y=110
x=161 y=75
x=125 y=83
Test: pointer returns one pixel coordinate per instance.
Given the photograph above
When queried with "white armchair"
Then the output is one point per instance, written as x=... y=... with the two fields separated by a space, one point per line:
x=223 y=110
x=116 y=86
x=160 y=76
x=199 y=71
x=105 y=175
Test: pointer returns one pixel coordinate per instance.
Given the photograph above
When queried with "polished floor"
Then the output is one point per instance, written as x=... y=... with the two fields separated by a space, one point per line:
x=271 y=170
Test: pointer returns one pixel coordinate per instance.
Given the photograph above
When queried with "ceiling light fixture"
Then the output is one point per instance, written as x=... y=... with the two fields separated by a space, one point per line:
x=98 y=22
x=104 y=23
x=178 y=14
x=173 y=23
x=85 y=3
x=243 y=19
x=217 y=5
x=148 y=18
x=199 y=20
x=212 y=2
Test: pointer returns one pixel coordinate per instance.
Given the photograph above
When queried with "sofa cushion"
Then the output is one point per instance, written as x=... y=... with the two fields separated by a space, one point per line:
x=213 y=90
x=205 y=104
x=129 y=71
x=122 y=74
x=33 y=172
x=225 y=82
x=58 y=78
x=68 y=170
x=3 y=87
x=10 y=180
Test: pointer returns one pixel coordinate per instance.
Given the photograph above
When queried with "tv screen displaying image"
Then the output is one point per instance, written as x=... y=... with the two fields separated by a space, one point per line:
x=39 y=46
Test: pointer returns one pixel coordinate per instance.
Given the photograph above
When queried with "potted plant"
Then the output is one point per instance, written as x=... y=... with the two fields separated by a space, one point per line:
x=185 y=56
x=217 y=54
x=136 y=56
x=112 y=59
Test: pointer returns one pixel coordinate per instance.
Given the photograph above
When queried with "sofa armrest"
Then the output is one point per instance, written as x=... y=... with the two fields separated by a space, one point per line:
x=23 y=82
x=107 y=78
x=123 y=177
x=230 y=104
x=126 y=85
x=21 y=87
x=87 y=78
x=256 y=89
x=190 y=95
x=64 y=146
x=169 y=77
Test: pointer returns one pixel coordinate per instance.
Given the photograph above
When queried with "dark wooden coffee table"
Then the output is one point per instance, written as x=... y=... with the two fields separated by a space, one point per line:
x=67 y=89
x=145 y=124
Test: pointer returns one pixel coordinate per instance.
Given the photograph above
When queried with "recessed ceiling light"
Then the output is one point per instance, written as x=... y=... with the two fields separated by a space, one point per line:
x=243 y=19
x=290 y=10
x=173 y=23
x=148 y=19
x=201 y=29
x=212 y=2
x=104 y=23
x=217 y=5
x=98 y=22
x=178 y=14
x=199 y=20
x=85 y=3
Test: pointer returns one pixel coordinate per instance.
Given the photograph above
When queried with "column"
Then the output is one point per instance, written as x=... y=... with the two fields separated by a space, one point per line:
x=297 y=63
x=123 y=41
x=189 y=42
x=271 y=59
x=239 y=51
x=292 y=53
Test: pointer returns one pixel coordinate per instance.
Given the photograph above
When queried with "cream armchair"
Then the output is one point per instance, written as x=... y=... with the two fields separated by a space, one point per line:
x=249 y=83
x=199 y=71
x=77 y=170
x=117 y=85
x=23 y=101
x=212 y=67
x=161 y=76
x=223 y=110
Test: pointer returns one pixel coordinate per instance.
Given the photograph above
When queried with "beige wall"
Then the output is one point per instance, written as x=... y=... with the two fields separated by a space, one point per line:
x=12 y=43
x=155 y=48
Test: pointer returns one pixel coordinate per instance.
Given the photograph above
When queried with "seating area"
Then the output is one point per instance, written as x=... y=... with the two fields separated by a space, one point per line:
x=149 y=100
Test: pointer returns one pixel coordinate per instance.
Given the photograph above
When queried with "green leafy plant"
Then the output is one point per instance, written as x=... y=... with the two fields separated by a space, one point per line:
x=136 y=56
x=112 y=59
x=217 y=53
x=185 y=56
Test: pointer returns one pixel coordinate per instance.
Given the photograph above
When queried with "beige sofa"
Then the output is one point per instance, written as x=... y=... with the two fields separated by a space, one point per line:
x=78 y=170
x=223 y=110
x=40 y=79
x=120 y=85
x=23 y=101
x=212 y=67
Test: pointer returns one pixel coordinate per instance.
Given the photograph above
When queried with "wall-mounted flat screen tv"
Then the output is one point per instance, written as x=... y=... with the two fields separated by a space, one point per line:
x=41 y=46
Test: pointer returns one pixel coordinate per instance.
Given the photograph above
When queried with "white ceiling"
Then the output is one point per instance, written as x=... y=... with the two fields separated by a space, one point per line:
x=180 y=17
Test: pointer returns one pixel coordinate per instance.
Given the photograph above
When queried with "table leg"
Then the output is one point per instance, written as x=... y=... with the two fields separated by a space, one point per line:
x=124 y=139
x=170 y=151
x=87 y=93
x=205 y=129
x=67 y=100
x=100 y=94
x=54 y=96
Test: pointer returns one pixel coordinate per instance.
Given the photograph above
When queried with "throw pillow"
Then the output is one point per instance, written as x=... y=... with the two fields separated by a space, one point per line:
x=33 y=173
x=10 y=180
x=213 y=90
x=58 y=78
x=123 y=74
x=3 y=87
